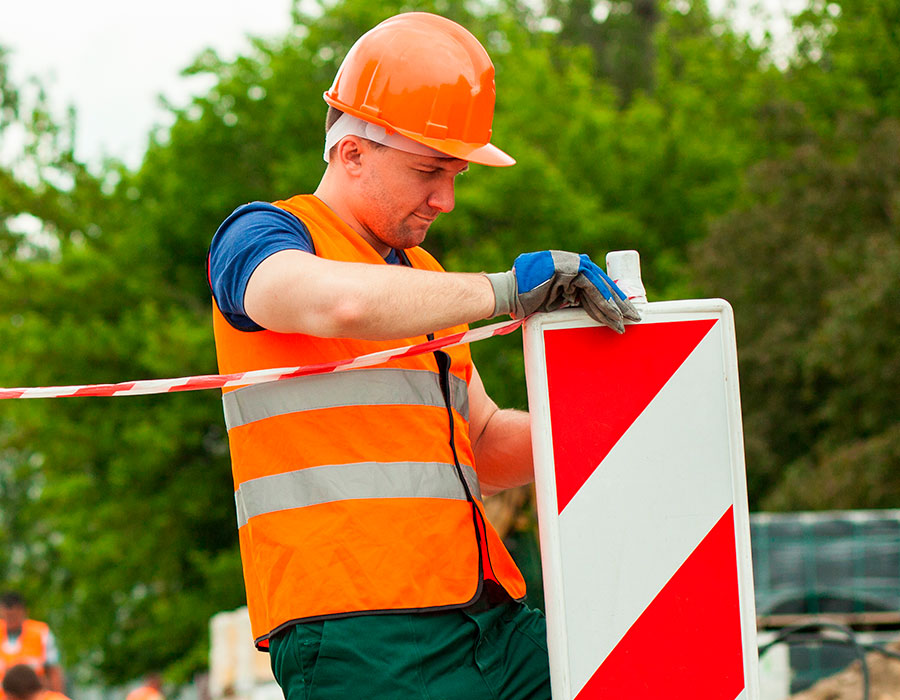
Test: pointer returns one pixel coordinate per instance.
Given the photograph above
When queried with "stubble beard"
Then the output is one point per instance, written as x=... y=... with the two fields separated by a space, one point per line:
x=406 y=233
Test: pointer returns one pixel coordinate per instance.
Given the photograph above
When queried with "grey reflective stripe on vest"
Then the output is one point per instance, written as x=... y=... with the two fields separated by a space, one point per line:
x=315 y=485
x=357 y=387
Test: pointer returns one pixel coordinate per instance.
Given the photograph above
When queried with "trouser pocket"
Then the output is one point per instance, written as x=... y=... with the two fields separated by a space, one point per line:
x=295 y=656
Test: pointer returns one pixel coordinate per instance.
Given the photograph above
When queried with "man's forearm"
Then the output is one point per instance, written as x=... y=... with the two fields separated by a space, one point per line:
x=295 y=292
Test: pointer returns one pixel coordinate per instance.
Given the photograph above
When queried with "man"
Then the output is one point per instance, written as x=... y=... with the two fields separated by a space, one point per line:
x=149 y=690
x=369 y=565
x=22 y=683
x=24 y=641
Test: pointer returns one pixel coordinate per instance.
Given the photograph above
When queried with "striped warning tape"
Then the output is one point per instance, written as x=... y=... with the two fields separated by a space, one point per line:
x=259 y=376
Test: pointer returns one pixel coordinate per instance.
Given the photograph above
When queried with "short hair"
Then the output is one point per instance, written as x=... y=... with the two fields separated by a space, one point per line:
x=331 y=116
x=12 y=599
x=21 y=682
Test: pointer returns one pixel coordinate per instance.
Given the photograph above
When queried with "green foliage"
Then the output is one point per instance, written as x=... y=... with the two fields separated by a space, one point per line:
x=818 y=318
x=619 y=35
x=654 y=127
x=810 y=262
x=115 y=513
x=848 y=57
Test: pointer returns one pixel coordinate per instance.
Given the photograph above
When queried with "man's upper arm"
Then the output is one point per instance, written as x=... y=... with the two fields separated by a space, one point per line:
x=250 y=235
x=291 y=291
x=481 y=408
x=501 y=441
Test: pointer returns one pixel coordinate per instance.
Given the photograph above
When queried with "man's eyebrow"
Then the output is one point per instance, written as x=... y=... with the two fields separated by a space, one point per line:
x=443 y=164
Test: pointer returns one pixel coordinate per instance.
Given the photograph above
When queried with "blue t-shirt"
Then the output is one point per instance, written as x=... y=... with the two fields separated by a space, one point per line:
x=248 y=236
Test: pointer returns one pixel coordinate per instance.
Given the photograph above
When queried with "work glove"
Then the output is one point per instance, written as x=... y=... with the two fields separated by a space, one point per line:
x=551 y=279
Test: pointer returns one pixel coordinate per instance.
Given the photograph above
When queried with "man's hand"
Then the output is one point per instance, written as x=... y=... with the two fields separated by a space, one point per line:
x=551 y=279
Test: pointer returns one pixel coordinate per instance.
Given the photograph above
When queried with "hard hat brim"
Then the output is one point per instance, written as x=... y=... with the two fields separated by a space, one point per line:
x=481 y=153
x=486 y=154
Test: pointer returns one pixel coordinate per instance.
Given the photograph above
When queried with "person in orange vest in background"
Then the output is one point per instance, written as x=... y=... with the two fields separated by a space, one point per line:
x=369 y=565
x=150 y=690
x=21 y=682
x=26 y=641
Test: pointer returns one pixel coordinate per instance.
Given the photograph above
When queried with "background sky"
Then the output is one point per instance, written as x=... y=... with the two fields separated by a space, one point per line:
x=112 y=59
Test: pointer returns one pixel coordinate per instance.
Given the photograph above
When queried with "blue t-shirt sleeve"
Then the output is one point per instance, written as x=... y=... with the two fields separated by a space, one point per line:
x=248 y=236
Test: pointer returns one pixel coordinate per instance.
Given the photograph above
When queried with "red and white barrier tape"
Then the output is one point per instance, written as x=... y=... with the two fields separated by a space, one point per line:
x=259 y=376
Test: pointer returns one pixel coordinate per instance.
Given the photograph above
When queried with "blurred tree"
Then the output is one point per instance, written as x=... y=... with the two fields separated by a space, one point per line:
x=817 y=308
x=619 y=34
x=811 y=265
x=848 y=53
x=105 y=527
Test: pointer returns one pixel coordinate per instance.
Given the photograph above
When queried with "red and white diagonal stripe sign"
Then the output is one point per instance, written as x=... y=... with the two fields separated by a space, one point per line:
x=642 y=504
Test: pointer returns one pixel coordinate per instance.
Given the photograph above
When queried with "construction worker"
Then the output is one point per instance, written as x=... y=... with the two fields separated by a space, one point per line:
x=149 y=690
x=369 y=566
x=25 y=641
x=21 y=682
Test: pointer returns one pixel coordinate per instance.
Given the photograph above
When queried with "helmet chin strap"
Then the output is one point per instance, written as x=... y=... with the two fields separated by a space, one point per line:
x=348 y=125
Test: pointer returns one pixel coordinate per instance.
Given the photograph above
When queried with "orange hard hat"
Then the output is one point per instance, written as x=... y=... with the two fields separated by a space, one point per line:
x=427 y=78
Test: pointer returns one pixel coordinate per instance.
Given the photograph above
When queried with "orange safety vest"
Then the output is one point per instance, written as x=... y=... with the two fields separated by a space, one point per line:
x=352 y=494
x=30 y=648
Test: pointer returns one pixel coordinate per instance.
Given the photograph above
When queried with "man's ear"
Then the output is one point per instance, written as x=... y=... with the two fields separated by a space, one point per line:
x=349 y=152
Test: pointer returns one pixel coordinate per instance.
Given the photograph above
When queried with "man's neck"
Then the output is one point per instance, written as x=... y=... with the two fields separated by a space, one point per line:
x=328 y=192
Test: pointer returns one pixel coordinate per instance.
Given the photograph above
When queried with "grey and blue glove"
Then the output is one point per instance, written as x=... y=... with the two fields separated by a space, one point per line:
x=551 y=279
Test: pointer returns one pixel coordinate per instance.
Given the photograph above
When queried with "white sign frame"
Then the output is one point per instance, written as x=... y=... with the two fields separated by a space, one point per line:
x=567 y=678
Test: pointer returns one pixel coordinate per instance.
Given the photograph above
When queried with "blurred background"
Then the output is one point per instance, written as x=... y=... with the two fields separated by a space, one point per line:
x=749 y=151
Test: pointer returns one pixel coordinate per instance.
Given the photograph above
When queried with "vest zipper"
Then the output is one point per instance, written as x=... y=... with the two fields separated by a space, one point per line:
x=443 y=363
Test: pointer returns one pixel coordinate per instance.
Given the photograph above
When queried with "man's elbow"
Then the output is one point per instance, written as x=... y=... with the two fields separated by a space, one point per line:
x=343 y=318
x=488 y=490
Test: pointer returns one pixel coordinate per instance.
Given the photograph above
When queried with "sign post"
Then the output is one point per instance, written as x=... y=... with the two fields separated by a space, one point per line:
x=642 y=504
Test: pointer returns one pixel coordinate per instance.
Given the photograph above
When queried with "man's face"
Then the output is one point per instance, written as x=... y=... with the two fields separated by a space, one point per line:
x=403 y=193
x=13 y=616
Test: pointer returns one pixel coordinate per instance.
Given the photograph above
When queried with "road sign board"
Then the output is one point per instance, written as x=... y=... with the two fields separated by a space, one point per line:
x=642 y=504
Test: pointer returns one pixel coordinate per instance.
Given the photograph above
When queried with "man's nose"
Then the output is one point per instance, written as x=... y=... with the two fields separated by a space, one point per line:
x=442 y=197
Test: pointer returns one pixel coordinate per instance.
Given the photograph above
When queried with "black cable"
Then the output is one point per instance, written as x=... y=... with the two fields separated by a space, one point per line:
x=881 y=650
x=785 y=635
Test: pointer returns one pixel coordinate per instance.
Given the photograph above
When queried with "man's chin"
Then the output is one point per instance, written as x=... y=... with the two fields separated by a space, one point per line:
x=411 y=236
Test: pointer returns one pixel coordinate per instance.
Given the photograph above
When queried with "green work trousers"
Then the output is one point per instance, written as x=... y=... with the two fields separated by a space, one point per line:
x=498 y=653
